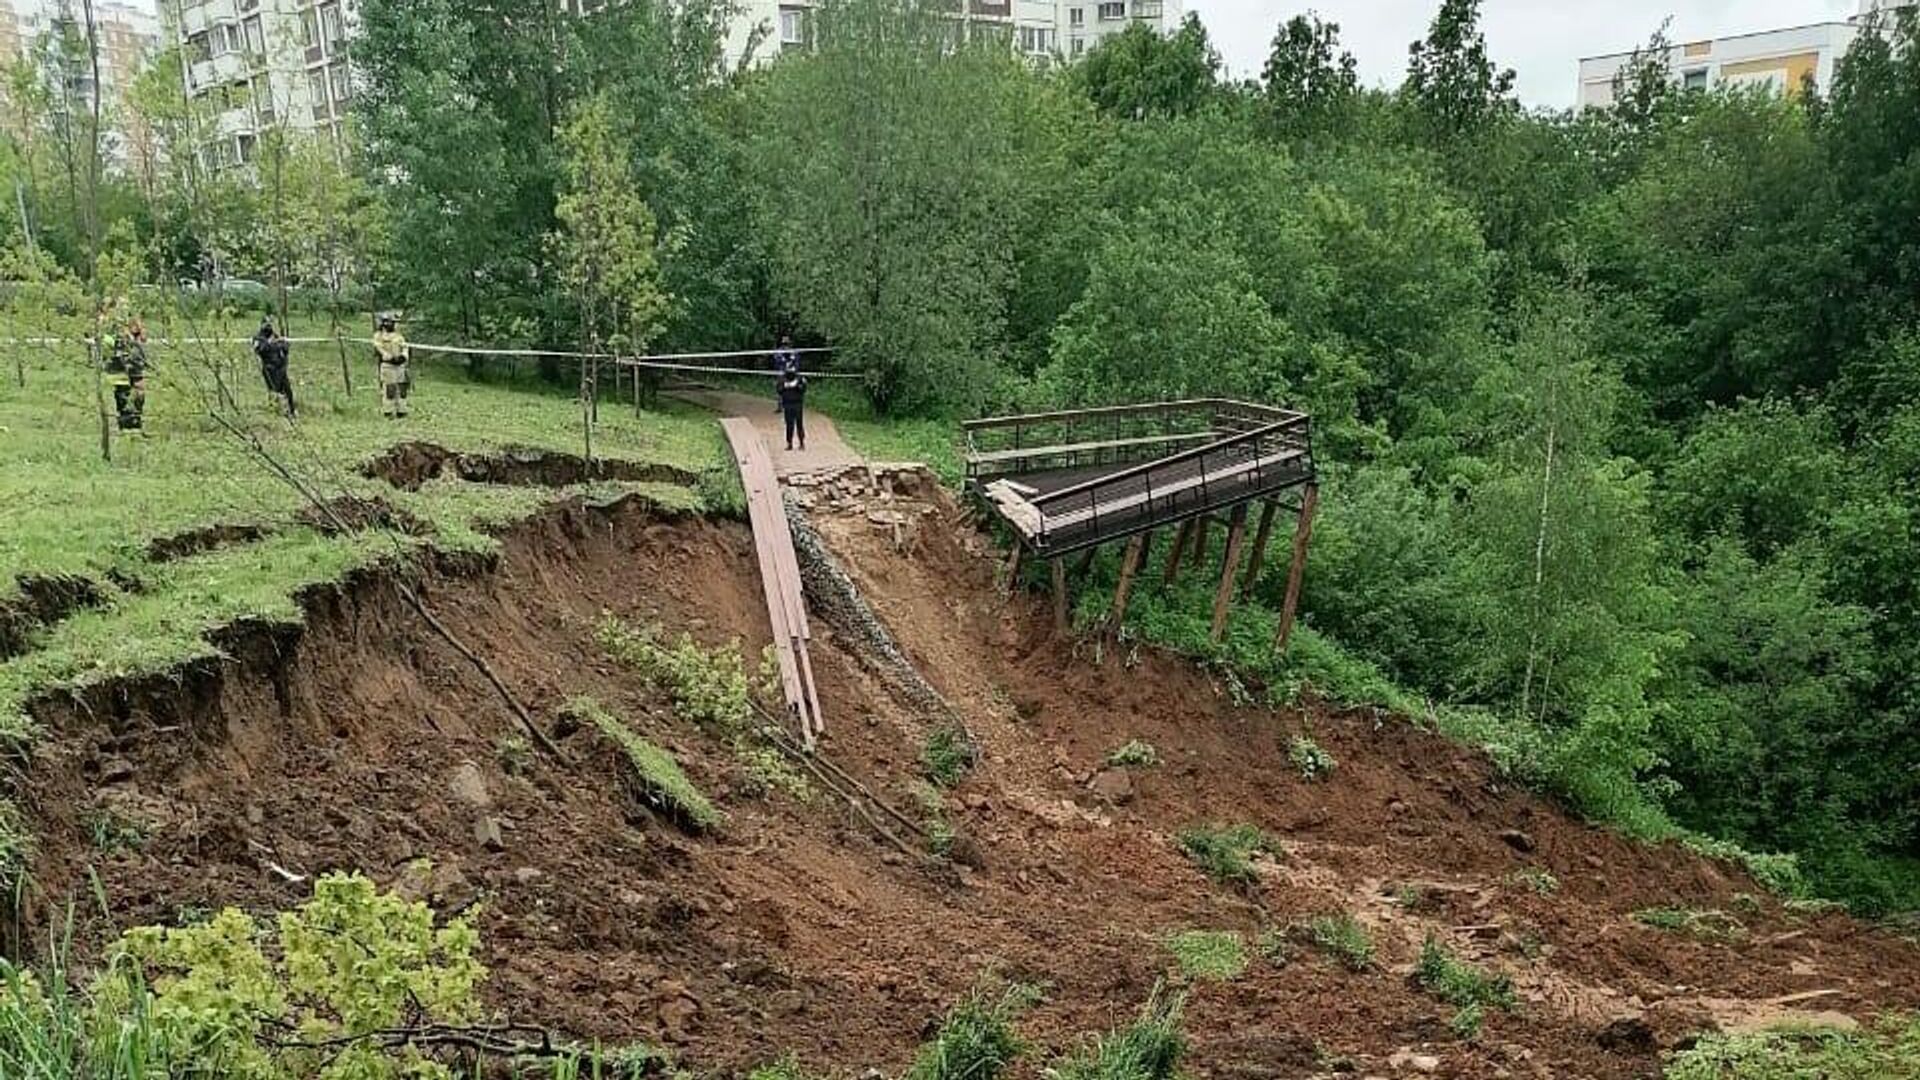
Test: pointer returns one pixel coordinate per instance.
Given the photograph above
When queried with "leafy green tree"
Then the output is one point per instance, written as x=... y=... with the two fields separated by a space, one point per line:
x=1311 y=85
x=1139 y=72
x=1452 y=82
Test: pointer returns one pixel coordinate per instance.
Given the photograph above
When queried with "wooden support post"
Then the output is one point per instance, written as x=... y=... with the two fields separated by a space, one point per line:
x=1229 y=570
x=1302 y=535
x=1258 y=561
x=1013 y=567
x=1060 y=615
x=1181 y=536
x=1086 y=562
x=1136 y=553
x=1197 y=551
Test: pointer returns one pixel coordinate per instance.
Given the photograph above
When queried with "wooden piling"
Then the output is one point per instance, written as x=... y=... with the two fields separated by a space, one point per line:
x=1136 y=553
x=1060 y=615
x=1229 y=570
x=1302 y=536
x=1261 y=538
x=1180 y=538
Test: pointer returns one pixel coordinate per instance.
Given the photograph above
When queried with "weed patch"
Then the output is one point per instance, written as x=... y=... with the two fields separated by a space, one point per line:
x=1216 y=955
x=1887 y=1051
x=1536 y=880
x=1463 y=985
x=1134 y=755
x=1226 y=854
x=976 y=1041
x=1717 y=927
x=1342 y=937
x=1150 y=1048
x=948 y=755
x=657 y=778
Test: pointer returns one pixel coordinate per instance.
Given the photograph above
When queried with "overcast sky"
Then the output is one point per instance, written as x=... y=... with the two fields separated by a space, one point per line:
x=1542 y=40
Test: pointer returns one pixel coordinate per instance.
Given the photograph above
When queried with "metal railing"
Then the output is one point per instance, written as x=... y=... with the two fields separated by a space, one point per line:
x=1009 y=446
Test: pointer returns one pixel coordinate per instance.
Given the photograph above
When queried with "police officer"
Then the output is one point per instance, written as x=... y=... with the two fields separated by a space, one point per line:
x=125 y=364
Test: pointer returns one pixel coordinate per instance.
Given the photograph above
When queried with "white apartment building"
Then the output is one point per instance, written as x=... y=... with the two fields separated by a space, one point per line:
x=1041 y=29
x=1781 y=60
x=262 y=63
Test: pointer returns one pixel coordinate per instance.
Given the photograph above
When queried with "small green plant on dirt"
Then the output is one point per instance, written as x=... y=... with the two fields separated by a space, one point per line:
x=1312 y=762
x=1889 y=1050
x=1342 y=937
x=710 y=687
x=1535 y=879
x=948 y=755
x=1415 y=897
x=1215 y=955
x=941 y=836
x=787 y=1068
x=1748 y=905
x=1134 y=755
x=514 y=753
x=1716 y=927
x=767 y=770
x=1226 y=854
x=1149 y=1048
x=1463 y=985
x=1276 y=947
x=1327 y=1059
x=976 y=1041
x=16 y=846
x=1467 y=1021
x=657 y=778
x=111 y=832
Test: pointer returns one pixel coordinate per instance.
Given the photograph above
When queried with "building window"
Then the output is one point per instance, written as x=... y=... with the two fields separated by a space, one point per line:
x=1694 y=80
x=1113 y=11
x=793 y=26
x=1076 y=16
x=1079 y=46
x=256 y=38
x=331 y=28
x=342 y=86
x=309 y=28
x=317 y=90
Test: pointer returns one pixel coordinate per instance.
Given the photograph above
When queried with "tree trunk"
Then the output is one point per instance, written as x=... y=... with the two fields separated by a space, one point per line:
x=93 y=237
x=1539 y=569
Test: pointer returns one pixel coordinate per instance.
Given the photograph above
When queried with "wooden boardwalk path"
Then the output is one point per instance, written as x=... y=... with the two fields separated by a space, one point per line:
x=779 y=576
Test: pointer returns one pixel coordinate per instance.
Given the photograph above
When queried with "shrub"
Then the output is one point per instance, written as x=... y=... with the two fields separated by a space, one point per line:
x=1307 y=756
x=941 y=836
x=1276 y=947
x=1342 y=937
x=657 y=778
x=1535 y=879
x=1134 y=755
x=514 y=753
x=709 y=687
x=787 y=1068
x=976 y=1041
x=1226 y=854
x=1888 y=1051
x=947 y=756
x=1150 y=1048
x=1209 y=954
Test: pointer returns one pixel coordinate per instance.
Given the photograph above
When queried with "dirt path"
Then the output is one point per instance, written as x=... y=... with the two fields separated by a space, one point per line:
x=825 y=449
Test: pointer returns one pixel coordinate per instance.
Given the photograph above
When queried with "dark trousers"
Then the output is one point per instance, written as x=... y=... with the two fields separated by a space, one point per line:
x=796 y=425
x=129 y=403
x=277 y=381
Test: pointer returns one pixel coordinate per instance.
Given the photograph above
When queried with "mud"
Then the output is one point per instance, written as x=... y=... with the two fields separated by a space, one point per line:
x=411 y=465
x=355 y=741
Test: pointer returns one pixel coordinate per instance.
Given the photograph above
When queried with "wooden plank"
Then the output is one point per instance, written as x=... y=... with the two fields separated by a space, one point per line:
x=1302 y=536
x=1229 y=570
x=1160 y=493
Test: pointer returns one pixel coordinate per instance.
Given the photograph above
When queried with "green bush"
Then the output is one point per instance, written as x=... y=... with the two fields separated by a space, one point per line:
x=948 y=755
x=1150 y=1048
x=1342 y=937
x=1226 y=854
x=1888 y=1051
x=710 y=687
x=1217 y=955
x=976 y=1041
x=1535 y=879
x=1307 y=756
x=1136 y=754
x=1463 y=985
x=657 y=777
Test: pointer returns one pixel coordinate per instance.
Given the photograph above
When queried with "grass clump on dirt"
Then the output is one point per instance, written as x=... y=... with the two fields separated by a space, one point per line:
x=709 y=687
x=1717 y=927
x=657 y=777
x=1136 y=754
x=976 y=1041
x=1150 y=1048
x=1226 y=854
x=1312 y=762
x=1215 y=955
x=1461 y=984
x=940 y=835
x=948 y=755
x=1536 y=880
x=787 y=1068
x=1888 y=1051
x=1342 y=937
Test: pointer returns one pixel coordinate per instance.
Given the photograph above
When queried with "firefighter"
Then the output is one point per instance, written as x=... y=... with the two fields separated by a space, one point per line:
x=124 y=355
x=390 y=349
x=272 y=349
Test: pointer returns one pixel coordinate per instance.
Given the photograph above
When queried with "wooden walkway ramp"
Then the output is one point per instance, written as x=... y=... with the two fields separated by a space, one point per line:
x=779 y=576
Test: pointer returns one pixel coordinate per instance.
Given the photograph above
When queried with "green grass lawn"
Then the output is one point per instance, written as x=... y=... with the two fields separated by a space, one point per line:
x=68 y=512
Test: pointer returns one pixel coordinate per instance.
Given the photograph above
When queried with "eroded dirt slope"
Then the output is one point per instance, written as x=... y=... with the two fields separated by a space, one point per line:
x=363 y=742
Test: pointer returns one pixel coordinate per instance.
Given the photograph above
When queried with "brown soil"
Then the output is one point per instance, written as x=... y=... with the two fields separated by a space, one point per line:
x=410 y=465
x=44 y=599
x=338 y=745
x=199 y=541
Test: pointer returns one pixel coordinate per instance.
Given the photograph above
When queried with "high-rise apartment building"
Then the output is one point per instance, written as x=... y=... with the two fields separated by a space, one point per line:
x=265 y=62
x=1042 y=29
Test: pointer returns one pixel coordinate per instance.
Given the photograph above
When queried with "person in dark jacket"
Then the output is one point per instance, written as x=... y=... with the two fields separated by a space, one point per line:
x=126 y=371
x=272 y=350
x=793 y=405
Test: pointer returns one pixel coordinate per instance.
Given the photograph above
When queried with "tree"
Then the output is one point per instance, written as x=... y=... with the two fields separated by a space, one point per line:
x=1453 y=84
x=605 y=245
x=1139 y=72
x=1310 y=83
x=332 y=228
